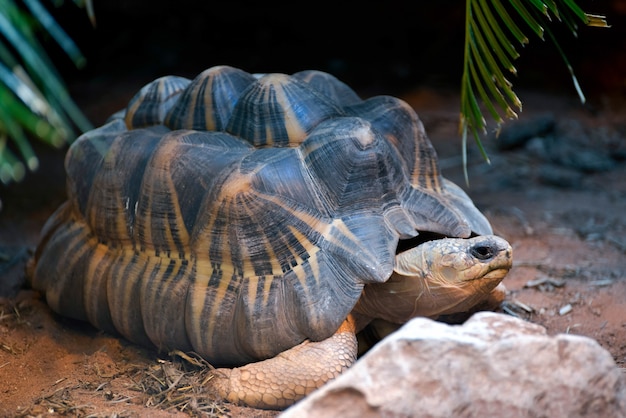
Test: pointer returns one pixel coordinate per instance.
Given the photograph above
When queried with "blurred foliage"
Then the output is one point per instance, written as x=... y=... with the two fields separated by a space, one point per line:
x=35 y=102
x=489 y=51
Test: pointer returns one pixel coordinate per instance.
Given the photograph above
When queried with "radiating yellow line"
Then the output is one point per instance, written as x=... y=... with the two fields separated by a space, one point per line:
x=162 y=161
x=67 y=263
x=312 y=251
x=93 y=277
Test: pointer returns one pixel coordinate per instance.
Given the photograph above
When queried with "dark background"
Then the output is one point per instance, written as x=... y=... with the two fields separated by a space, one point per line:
x=382 y=47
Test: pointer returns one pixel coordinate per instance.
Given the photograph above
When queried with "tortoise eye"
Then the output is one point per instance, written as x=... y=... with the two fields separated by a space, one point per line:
x=482 y=252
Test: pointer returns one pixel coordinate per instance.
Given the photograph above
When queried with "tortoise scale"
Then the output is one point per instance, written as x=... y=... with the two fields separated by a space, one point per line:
x=250 y=217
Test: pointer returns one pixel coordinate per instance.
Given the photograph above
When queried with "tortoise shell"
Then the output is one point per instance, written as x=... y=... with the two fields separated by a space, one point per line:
x=238 y=215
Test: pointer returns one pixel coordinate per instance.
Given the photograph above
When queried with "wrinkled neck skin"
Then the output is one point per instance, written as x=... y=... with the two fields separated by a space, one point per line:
x=438 y=277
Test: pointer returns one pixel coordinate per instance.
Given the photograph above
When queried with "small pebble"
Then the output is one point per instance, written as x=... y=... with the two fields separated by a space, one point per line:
x=601 y=282
x=565 y=309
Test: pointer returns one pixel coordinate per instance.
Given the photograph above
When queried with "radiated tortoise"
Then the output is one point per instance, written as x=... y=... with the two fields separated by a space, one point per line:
x=261 y=221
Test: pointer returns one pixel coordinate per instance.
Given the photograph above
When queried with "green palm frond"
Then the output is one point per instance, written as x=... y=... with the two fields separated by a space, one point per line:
x=492 y=30
x=35 y=102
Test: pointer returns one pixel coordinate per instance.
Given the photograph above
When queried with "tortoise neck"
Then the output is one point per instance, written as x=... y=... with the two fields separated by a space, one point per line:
x=394 y=301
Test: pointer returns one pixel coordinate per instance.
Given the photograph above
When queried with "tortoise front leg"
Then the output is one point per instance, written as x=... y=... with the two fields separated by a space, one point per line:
x=283 y=380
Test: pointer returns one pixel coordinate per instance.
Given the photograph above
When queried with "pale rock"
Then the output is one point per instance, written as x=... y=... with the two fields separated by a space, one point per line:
x=494 y=365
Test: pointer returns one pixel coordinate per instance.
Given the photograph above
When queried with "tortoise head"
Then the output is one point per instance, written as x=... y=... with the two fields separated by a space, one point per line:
x=439 y=277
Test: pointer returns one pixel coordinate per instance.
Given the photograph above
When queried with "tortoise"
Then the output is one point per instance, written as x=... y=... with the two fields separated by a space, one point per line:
x=262 y=221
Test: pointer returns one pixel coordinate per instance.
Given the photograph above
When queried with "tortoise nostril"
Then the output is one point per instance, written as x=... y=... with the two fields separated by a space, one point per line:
x=482 y=252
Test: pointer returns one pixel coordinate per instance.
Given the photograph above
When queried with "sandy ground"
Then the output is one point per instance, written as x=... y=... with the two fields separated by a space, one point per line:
x=566 y=223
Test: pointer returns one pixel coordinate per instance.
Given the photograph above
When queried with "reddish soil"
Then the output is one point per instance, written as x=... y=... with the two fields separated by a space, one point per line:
x=569 y=273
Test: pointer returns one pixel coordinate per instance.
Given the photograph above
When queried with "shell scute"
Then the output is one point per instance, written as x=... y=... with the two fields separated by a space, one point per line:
x=344 y=155
x=327 y=84
x=283 y=174
x=153 y=102
x=207 y=104
x=402 y=128
x=279 y=111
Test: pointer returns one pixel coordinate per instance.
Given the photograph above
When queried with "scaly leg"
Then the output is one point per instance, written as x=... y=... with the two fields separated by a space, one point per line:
x=283 y=380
